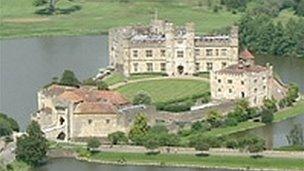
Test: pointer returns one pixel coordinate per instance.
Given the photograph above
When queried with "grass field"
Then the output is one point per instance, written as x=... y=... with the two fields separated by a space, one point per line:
x=194 y=161
x=18 y=18
x=115 y=78
x=165 y=90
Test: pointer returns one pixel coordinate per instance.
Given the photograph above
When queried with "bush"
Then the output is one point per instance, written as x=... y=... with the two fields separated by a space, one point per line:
x=142 y=98
x=232 y=143
x=214 y=118
x=5 y=129
x=93 y=143
x=118 y=138
x=89 y=82
x=230 y=122
x=101 y=85
x=267 y=116
x=179 y=107
x=68 y=78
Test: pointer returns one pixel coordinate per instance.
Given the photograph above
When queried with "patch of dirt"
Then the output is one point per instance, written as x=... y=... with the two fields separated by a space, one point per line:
x=25 y=20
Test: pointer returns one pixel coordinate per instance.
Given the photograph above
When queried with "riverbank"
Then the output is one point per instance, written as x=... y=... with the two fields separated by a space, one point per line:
x=193 y=161
x=18 y=17
x=297 y=109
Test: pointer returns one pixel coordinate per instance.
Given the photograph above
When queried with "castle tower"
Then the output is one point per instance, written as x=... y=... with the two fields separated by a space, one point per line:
x=234 y=35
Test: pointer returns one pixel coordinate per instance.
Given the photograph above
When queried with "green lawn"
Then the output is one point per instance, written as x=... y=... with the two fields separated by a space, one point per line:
x=115 y=77
x=211 y=161
x=18 y=18
x=166 y=90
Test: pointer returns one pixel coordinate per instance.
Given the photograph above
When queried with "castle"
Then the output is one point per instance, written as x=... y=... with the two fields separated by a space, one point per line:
x=70 y=113
x=246 y=80
x=162 y=47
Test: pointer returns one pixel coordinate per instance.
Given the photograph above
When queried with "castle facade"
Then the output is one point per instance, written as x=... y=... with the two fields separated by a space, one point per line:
x=162 y=47
x=246 y=80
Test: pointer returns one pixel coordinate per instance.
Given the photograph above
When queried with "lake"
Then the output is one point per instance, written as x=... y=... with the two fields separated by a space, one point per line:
x=66 y=164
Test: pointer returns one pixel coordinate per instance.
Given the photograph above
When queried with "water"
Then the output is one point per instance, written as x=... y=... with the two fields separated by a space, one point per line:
x=289 y=69
x=29 y=64
x=74 y=165
x=275 y=134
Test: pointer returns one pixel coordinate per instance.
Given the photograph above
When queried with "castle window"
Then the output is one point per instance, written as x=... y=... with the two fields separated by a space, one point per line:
x=149 y=53
x=149 y=67
x=135 y=67
x=230 y=91
x=163 y=53
x=209 y=52
x=216 y=52
x=90 y=121
x=255 y=90
x=197 y=52
x=243 y=94
x=135 y=53
x=197 y=66
x=219 y=90
x=107 y=121
x=229 y=81
x=224 y=52
x=264 y=87
x=242 y=82
x=209 y=66
x=224 y=64
x=163 y=67
x=255 y=80
x=180 y=41
x=219 y=80
x=180 y=54
x=61 y=120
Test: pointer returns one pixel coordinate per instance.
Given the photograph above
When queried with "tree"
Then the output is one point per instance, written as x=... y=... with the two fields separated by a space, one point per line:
x=267 y=116
x=295 y=136
x=5 y=128
x=68 y=78
x=93 y=143
x=32 y=147
x=89 y=82
x=101 y=85
x=214 y=118
x=151 y=142
x=252 y=144
x=139 y=129
x=12 y=123
x=142 y=98
x=118 y=138
x=200 y=143
x=51 y=4
x=270 y=104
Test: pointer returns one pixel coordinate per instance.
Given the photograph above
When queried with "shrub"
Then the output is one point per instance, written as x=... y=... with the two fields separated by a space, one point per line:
x=142 y=98
x=68 y=78
x=118 y=138
x=89 y=82
x=93 y=143
x=214 y=119
x=101 y=85
x=230 y=122
x=5 y=128
x=267 y=116
x=231 y=143
x=179 y=107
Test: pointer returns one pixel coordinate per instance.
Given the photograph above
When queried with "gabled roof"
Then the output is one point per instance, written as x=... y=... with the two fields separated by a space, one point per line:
x=246 y=55
x=95 y=108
